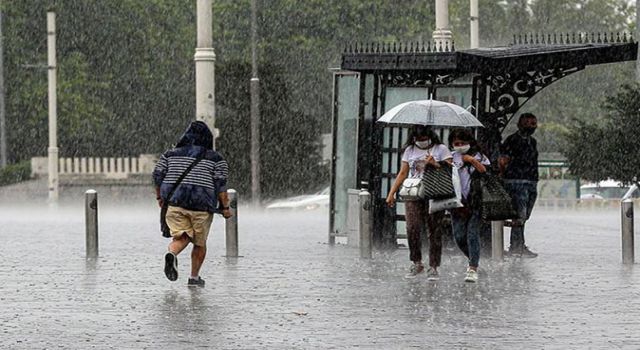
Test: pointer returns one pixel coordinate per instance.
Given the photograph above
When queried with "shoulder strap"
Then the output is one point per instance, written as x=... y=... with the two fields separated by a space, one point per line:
x=183 y=175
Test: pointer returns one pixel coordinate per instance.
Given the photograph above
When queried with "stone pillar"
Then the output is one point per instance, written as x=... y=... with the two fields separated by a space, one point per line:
x=442 y=36
x=474 y=25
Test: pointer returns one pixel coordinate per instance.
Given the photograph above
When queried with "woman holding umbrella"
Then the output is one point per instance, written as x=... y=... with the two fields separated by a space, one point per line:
x=423 y=148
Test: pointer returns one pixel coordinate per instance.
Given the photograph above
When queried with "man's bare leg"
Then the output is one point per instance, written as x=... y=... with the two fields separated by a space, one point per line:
x=197 y=258
x=178 y=244
x=170 y=260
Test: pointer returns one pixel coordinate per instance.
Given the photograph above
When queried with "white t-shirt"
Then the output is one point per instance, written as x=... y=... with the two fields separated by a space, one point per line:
x=465 y=170
x=417 y=158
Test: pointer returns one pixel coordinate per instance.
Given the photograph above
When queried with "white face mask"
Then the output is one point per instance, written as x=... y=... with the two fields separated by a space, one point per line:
x=462 y=149
x=423 y=144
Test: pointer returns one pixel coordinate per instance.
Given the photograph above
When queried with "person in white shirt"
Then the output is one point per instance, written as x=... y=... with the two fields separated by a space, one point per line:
x=466 y=221
x=423 y=148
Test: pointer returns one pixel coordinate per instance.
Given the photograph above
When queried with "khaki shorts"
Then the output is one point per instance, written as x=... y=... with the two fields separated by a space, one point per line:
x=196 y=224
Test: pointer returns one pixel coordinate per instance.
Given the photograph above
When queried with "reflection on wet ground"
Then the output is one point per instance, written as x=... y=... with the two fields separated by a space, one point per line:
x=292 y=290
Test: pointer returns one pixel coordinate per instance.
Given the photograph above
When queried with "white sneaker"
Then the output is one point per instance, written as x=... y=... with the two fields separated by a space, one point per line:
x=472 y=276
x=432 y=274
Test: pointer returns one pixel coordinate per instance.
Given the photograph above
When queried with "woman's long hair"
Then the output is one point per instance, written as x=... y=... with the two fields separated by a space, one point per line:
x=421 y=130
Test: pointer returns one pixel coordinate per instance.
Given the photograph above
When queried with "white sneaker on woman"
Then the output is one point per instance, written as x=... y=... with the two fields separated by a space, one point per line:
x=432 y=274
x=471 y=276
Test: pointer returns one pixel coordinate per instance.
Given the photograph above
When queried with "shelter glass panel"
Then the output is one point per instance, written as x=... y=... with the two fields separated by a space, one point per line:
x=459 y=95
x=397 y=95
x=368 y=95
x=346 y=152
x=394 y=138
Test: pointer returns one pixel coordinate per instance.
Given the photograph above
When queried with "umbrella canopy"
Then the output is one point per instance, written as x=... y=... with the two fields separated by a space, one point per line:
x=430 y=112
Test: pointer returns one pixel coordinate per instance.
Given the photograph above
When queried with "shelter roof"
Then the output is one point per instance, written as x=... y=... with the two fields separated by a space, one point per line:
x=523 y=55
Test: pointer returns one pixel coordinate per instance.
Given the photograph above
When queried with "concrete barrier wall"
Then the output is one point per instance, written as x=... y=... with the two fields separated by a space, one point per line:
x=113 y=167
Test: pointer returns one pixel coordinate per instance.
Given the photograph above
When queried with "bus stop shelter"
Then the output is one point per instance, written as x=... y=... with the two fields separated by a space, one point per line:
x=493 y=82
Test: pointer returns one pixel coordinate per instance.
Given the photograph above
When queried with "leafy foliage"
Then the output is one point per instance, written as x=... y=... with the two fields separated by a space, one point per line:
x=290 y=162
x=14 y=173
x=126 y=72
x=610 y=148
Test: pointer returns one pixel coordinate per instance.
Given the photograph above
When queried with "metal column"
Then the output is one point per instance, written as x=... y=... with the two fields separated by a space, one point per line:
x=497 y=240
x=231 y=225
x=91 y=223
x=364 y=198
x=205 y=59
x=627 y=232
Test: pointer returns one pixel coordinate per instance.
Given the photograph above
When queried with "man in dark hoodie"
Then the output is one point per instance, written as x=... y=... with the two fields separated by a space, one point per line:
x=519 y=167
x=196 y=198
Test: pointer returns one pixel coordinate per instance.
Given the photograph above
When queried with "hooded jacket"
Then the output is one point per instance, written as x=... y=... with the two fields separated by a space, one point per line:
x=199 y=189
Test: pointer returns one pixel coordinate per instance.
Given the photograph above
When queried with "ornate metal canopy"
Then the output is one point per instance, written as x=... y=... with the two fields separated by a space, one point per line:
x=504 y=78
x=532 y=52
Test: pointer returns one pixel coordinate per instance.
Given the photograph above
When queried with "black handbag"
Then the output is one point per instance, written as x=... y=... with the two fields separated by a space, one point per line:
x=437 y=182
x=164 y=228
x=488 y=193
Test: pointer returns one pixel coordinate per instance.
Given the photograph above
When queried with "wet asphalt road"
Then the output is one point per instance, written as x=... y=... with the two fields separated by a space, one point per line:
x=290 y=290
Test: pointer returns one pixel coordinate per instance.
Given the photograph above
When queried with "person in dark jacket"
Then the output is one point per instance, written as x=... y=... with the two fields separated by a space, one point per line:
x=519 y=167
x=196 y=198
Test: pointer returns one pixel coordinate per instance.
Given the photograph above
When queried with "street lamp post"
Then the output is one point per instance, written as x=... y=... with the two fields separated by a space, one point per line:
x=53 y=106
x=255 y=112
x=205 y=59
x=3 y=125
x=638 y=36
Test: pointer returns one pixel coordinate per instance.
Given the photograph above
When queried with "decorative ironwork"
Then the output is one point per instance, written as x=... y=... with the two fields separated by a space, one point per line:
x=398 y=48
x=418 y=79
x=504 y=79
x=406 y=61
x=507 y=92
x=571 y=38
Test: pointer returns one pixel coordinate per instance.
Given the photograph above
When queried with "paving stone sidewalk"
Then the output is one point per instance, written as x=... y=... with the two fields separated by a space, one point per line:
x=290 y=290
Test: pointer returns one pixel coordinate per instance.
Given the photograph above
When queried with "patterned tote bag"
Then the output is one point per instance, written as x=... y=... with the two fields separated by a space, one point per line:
x=437 y=182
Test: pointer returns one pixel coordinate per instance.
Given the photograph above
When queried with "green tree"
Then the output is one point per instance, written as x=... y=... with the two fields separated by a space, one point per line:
x=581 y=15
x=289 y=140
x=125 y=82
x=126 y=72
x=609 y=148
x=580 y=95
